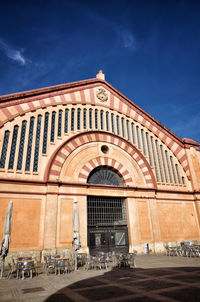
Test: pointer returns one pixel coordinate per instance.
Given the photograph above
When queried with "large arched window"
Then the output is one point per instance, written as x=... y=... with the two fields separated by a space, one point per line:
x=105 y=176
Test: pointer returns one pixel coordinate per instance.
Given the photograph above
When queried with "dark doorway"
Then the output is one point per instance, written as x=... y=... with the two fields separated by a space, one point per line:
x=107 y=225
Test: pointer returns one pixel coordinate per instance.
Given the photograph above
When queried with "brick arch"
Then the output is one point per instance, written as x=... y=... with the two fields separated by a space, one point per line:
x=53 y=170
x=105 y=161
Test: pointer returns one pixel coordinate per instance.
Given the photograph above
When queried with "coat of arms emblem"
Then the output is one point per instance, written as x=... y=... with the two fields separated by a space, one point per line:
x=102 y=95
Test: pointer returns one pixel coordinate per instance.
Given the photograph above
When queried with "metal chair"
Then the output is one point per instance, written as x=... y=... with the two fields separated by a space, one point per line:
x=62 y=266
x=50 y=266
x=100 y=262
x=90 y=263
x=131 y=260
x=81 y=258
x=12 y=269
x=24 y=268
x=122 y=260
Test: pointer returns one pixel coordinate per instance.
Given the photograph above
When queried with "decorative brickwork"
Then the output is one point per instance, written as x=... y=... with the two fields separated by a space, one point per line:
x=60 y=157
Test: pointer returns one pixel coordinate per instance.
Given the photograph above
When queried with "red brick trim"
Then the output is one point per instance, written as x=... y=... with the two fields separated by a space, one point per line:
x=73 y=98
x=102 y=161
x=92 y=97
x=42 y=103
x=120 y=106
x=83 y=100
x=111 y=101
x=31 y=106
x=106 y=137
x=28 y=96
x=63 y=99
x=20 y=110
x=128 y=112
x=124 y=103
x=7 y=114
x=60 y=154
x=53 y=101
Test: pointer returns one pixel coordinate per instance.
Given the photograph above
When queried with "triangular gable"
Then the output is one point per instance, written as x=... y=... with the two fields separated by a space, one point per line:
x=87 y=93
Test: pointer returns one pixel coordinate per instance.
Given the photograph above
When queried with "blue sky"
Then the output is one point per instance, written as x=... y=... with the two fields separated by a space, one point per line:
x=149 y=50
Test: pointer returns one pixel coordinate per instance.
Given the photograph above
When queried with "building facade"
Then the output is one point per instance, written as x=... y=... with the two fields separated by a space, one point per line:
x=135 y=181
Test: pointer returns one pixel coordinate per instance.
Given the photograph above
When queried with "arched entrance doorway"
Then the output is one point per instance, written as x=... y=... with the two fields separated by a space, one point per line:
x=106 y=216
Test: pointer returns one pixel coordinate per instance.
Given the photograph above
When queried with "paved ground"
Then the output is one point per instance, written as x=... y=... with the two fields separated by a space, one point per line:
x=156 y=278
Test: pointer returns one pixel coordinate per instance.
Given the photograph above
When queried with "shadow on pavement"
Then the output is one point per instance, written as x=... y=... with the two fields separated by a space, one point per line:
x=125 y=284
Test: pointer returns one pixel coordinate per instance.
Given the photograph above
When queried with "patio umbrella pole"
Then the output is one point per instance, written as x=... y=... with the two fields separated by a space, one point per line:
x=75 y=261
x=6 y=237
x=2 y=267
x=76 y=236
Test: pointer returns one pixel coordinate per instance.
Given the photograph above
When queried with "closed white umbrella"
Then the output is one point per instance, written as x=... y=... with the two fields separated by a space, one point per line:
x=76 y=235
x=6 y=236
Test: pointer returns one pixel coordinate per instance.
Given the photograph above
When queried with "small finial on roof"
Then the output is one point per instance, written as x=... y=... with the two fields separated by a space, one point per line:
x=100 y=75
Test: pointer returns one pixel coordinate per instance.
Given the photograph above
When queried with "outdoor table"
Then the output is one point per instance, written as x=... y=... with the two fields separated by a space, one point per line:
x=61 y=264
x=122 y=260
x=56 y=264
x=23 y=266
x=24 y=258
x=171 y=250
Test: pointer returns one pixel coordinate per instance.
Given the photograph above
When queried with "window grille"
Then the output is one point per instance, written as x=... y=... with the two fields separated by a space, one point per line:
x=149 y=151
x=102 y=121
x=164 y=165
x=123 y=130
x=143 y=142
x=13 y=147
x=128 y=130
x=105 y=211
x=72 y=119
x=173 y=171
x=177 y=173
x=138 y=137
x=90 y=118
x=104 y=176
x=118 y=130
x=66 y=120
x=53 y=122
x=169 y=171
x=85 y=118
x=112 y=123
x=79 y=119
x=107 y=121
x=159 y=162
x=133 y=133
x=45 y=134
x=4 y=149
x=154 y=159
x=60 y=123
x=96 y=119
x=37 y=143
x=29 y=147
x=21 y=146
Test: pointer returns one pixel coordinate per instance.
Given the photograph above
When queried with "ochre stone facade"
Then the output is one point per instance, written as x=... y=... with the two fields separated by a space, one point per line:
x=51 y=140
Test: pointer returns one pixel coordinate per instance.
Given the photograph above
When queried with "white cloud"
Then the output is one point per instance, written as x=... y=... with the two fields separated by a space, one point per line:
x=13 y=54
x=127 y=39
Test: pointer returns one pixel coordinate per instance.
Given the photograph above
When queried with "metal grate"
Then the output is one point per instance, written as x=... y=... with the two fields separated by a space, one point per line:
x=104 y=211
x=32 y=290
x=4 y=149
x=37 y=143
x=29 y=147
x=104 y=176
x=13 y=147
x=45 y=135
x=21 y=146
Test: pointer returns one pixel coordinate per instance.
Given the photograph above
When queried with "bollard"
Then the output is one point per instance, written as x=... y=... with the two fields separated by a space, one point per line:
x=146 y=248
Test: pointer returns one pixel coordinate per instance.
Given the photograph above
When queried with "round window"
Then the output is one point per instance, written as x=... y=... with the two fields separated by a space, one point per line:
x=104 y=149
